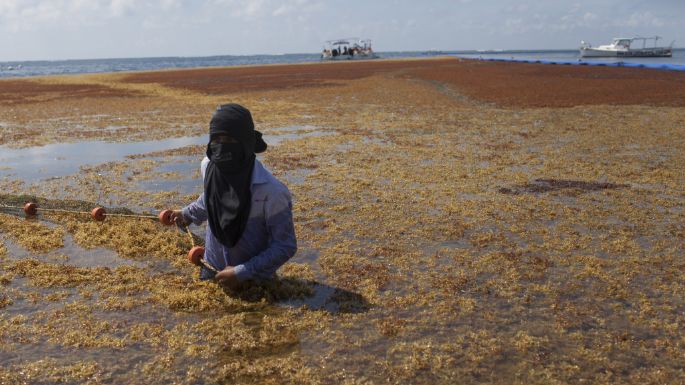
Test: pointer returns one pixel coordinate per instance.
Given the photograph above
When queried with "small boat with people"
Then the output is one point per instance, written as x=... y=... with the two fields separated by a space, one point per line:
x=12 y=68
x=348 y=49
x=626 y=47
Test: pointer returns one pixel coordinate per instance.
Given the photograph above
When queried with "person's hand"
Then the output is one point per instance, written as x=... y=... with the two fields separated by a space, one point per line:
x=179 y=219
x=227 y=277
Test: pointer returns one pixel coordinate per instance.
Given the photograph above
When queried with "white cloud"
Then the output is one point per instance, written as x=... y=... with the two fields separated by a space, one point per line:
x=282 y=10
x=589 y=17
x=21 y=16
x=8 y=6
x=641 y=19
x=68 y=9
x=29 y=15
x=255 y=9
x=122 y=7
x=241 y=8
x=171 y=4
x=43 y=12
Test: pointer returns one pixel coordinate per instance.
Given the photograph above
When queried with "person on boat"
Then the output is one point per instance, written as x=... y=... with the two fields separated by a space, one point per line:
x=249 y=212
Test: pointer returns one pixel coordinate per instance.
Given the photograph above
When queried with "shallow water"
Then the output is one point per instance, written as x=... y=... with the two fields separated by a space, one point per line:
x=73 y=255
x=294 y=132
x=61 y=159
x=47 y=348
x=297 y=176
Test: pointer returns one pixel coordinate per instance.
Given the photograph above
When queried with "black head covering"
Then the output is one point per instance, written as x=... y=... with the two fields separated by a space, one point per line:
x=229 y=172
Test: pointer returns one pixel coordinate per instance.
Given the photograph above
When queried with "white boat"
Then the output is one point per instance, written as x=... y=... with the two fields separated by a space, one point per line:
x=348 y=49
x=625 y=47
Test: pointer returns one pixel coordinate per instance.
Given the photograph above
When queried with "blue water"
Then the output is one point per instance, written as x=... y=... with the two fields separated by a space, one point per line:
x=573 y=57
x=62 y=67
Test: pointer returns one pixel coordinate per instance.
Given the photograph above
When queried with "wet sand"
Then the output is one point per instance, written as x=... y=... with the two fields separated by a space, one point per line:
x=486 y=222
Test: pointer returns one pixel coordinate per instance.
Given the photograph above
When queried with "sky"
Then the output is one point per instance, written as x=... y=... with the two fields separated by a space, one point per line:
x=80 y=29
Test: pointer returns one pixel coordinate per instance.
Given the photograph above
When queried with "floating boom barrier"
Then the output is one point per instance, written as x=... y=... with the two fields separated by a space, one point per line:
x=195 y=254
x=579 y=62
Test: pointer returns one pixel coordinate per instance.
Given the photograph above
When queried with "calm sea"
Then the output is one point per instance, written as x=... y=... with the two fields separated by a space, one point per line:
x=61 y=67
x=572 y=56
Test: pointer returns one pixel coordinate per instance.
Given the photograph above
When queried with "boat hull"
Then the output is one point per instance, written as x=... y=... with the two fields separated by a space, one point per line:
x=349 y=57
x=644 y=52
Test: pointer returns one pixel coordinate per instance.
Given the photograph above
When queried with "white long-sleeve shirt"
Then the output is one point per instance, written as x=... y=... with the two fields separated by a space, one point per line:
x=268 y=240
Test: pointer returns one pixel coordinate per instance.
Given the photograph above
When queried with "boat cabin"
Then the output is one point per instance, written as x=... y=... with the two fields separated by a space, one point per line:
x=622 y=42
x=352 y=48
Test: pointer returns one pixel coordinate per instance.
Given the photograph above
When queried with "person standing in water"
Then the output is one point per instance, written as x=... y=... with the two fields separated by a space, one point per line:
x=249 y=212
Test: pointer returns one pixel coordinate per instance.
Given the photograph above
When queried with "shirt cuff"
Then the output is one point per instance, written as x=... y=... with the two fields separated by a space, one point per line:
x=187 y=216
x=242 y=273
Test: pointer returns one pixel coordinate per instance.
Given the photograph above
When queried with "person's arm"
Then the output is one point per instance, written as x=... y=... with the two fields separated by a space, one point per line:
x=282 y=242
x=195 y=212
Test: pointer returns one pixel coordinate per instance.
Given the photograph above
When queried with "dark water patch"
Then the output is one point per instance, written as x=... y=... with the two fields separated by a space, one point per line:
x=282 y=134
x=297 y=176
x=193 y=151
x=22 y=305
x=366 y=140
x=14 y=354
x=183 y=186
x=329 y=298
x=552 y=185
x=178 y=164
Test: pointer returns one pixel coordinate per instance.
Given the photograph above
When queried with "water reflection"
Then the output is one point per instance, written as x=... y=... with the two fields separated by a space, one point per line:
x=74 y=255
x=61 y=159
x=299 y=293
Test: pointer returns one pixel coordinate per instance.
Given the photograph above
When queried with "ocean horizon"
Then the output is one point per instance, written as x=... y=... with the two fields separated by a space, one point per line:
x=31 y=68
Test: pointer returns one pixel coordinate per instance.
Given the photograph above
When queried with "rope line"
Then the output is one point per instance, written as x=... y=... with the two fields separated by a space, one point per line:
x=184 y=227
x=84 y=212
x=207 y=265
x=190 y=234
x=164 y=217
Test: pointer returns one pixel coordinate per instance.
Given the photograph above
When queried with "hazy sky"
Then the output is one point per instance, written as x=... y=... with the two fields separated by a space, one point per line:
x=64 y=29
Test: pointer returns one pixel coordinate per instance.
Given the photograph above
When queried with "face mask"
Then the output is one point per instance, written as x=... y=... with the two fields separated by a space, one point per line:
x=227 y=153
